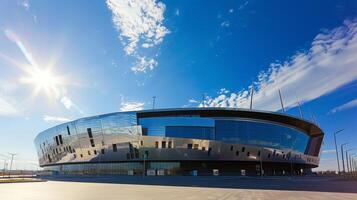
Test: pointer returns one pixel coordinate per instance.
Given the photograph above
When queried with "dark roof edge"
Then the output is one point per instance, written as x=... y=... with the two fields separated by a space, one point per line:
x=309 y=127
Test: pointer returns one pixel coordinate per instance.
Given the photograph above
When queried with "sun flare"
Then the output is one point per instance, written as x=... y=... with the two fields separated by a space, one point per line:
x=43 y=80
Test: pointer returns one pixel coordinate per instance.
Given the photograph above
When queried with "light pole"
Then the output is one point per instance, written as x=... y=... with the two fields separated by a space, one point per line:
x=347 y=160
x=334 y=136
x=3 y=173
x=343 y=161
x=351 y=162
x=12 y=158
x=153 y=102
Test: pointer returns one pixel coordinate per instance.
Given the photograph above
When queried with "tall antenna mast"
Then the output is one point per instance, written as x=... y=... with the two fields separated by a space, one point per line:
x=281 y=101
x=251 y=97
x=203 y=100
x=153 y=102
x=301 y=115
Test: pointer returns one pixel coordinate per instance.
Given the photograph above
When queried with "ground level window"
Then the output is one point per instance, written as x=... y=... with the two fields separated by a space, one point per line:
x=115 y=149
x=189 y=146
x=195 y=146
x=163 y=144
x=102 y=151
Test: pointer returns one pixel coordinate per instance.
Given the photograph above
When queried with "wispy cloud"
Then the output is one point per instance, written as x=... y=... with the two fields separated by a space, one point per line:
x=243 y=5
x=329 y=64
x=177 y=12
x=7 y=108
x=345 y=106
x=25 y=4
x=327 y=151
x=131 y=106
x=192 y=101
x=48 y=118
x=140 y=23
x=143 y=64
x=225 y=24
x=7 y=105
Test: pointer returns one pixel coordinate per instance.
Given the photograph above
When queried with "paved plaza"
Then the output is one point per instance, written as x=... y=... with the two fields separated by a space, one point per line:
x=88 y=188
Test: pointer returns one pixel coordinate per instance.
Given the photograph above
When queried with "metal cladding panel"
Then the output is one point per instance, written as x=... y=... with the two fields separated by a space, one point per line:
x=117 y=137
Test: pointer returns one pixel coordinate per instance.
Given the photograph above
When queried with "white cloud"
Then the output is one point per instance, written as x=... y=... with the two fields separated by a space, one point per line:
x=144 y=64
x=329 y=64
x=231 y=10
x=327 y=151
x=131 y=106
x=223 y=91
x=48 y=118
x=7 y=108
x=26 y=4
x=192 y=101
x=139 y=22
x=177 y=12
x=225 y=24
x=345 y=106
x=241 y=7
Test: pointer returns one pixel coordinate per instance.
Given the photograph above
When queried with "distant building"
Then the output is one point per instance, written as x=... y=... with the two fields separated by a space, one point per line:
x=200 y=141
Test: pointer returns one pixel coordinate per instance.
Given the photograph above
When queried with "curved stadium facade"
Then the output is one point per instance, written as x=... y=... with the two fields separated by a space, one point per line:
x=199 y=141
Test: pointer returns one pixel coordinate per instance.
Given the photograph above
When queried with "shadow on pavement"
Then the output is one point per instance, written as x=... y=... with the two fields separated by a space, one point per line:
x=316 y=184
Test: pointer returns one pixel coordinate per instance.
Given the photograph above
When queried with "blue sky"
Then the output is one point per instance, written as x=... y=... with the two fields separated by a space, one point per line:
x=72 y=59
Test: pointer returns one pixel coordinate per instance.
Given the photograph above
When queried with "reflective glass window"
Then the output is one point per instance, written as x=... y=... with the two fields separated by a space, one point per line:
x=190 y=132
x=261 y=134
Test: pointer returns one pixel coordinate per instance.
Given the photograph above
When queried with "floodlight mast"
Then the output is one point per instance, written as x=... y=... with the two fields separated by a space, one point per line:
x=251 y=98
x=300 y=110
x=281 y=101
x=153 y=102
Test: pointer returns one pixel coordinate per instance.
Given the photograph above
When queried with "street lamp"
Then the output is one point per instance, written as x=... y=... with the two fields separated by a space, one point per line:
x=153 y=102
x=334 y=136
x=343 y=162
x=347 y=159
x=12 y=158
x=352 y=168
x=3 y=173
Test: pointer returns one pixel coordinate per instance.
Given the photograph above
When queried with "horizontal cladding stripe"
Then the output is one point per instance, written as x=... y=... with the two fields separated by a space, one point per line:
x=133 y=161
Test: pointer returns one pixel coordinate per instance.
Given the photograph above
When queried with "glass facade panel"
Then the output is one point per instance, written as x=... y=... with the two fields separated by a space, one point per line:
x=206 y=133
x=261 y=134
x=156 y=126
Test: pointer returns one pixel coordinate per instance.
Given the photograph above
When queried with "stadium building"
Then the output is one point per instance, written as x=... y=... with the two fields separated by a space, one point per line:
x=194 y=141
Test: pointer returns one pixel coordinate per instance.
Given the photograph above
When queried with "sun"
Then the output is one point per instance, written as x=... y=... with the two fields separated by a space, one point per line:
x=43 y=80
